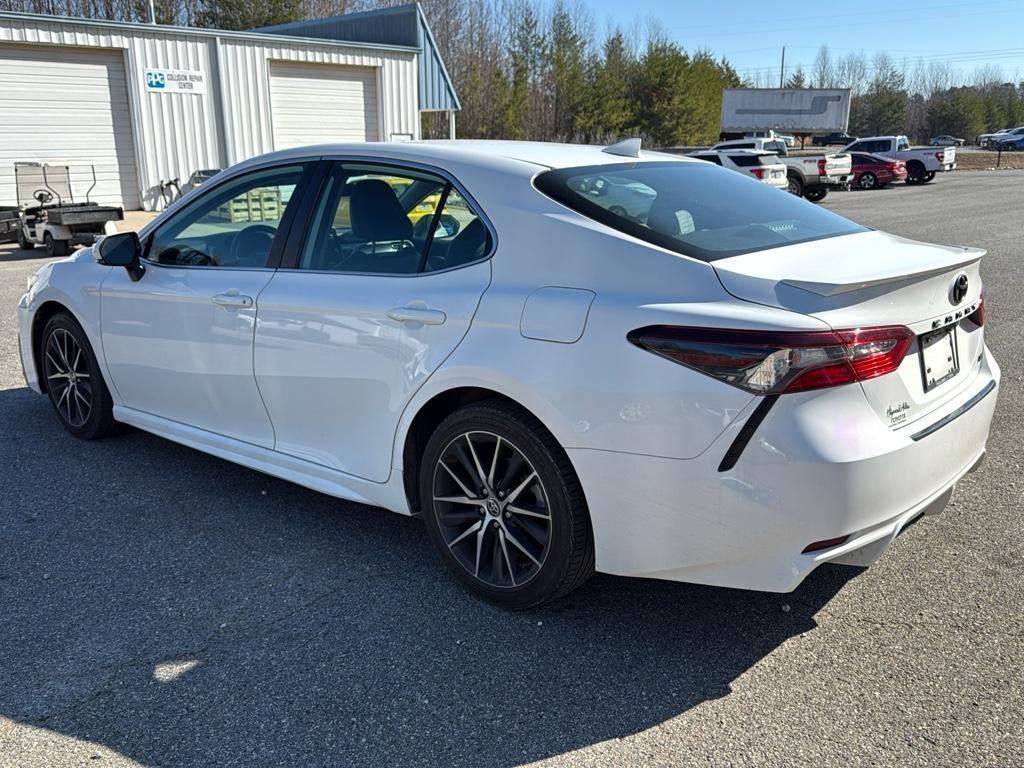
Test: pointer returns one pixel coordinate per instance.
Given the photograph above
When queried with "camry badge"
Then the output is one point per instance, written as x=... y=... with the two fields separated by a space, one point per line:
x=959 y=290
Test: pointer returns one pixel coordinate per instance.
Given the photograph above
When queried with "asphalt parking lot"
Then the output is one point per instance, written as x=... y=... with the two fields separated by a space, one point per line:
x=162 y=607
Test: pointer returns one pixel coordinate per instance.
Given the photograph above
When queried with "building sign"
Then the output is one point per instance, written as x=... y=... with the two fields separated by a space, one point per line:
x=175 y=81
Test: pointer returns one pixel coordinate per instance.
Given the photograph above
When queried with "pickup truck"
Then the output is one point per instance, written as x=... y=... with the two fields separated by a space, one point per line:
x=922 y=162
x=808 y=176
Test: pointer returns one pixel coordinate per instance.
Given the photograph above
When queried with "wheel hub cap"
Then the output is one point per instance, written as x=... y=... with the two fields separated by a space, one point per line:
x=67 y=377
x=501 y=534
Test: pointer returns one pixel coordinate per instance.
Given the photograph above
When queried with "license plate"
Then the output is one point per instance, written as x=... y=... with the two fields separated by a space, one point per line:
x=940 y=360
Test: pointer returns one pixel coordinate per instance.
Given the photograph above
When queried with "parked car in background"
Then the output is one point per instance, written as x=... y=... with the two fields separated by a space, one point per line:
x=991 y=140
x=762 y=144
x=841 y=138
x=875 y=171
x=790 y=140
x=945 y=140
x=733 y=391
x=810 y=176
x=922 y=162
x=763 y=166
x=1013 y=144
x=1008 y=138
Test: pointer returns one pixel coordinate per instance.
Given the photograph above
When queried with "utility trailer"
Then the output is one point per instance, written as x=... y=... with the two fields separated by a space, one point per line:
x=49 y=214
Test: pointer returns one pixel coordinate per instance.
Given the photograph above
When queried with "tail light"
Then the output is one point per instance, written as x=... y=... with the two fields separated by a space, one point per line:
x=978 y=315
x=758 y=172
x=777 y=362
x=821 y=166
x=940 y=156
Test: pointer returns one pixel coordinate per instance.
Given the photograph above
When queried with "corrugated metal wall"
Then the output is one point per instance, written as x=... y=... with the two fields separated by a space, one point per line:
x=246 y=84
x=176 y=134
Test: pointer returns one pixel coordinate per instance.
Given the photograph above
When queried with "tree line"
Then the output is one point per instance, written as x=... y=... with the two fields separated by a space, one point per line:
x=917 y=98
x=543 y=70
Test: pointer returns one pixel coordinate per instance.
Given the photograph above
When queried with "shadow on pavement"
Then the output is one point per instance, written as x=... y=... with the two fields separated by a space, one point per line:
x=184 y=611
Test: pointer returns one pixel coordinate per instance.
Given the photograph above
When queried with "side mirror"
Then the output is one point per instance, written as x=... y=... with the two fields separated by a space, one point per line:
x=122 y=250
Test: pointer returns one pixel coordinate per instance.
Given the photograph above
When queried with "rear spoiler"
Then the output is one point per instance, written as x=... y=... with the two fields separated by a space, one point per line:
x=970 y=256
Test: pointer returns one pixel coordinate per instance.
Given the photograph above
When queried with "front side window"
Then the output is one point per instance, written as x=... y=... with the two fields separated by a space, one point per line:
x=233 y=225
x=697 y=210
x=376 y=219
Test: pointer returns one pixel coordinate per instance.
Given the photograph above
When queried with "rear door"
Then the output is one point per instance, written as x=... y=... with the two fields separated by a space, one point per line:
x=378 y=290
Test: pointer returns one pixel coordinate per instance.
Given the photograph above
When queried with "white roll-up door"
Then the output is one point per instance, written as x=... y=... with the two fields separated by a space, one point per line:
x=318 y=103
x=68 y=105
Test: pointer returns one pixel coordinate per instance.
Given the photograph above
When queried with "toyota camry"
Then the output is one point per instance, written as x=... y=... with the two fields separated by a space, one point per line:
x=716 y=383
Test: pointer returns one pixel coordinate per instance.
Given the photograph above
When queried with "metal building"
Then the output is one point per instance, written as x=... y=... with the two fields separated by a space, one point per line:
x=149 y=103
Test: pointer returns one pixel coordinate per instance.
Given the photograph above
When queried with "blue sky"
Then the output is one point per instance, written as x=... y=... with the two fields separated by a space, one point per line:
x=751 y=34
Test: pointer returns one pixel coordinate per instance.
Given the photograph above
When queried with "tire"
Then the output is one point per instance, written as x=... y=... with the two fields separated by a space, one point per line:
x=54 y=247
x=915 y=172
x=517 y=555
x=795 y=186
x=83 y=405
x=815 y=194
x=867 y=180
x=23 y=242
x=618 y=210
x=930 y=176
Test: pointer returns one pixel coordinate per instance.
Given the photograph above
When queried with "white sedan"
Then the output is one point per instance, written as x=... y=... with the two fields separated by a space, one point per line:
x=731 y=387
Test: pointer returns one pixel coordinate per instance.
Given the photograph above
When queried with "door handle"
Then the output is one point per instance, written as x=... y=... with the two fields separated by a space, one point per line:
x=417 y=315
x=232 y=300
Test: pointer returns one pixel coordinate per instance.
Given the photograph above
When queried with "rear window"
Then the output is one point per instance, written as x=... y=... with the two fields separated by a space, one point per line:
x=694 y=209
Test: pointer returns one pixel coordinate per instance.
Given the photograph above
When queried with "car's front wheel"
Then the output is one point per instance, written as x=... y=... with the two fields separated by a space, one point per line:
x=504 y=507
x=73 y=380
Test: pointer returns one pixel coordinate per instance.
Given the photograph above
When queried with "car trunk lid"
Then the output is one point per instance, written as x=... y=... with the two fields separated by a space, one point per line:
x=873 y=279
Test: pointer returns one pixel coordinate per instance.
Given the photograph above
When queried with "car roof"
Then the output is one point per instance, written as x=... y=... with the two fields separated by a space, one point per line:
x=477 y=152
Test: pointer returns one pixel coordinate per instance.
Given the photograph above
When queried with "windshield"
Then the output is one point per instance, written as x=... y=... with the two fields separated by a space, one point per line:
x=695 y=209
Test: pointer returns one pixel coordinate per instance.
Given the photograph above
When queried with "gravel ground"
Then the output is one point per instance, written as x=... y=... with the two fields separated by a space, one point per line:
x=162 y=607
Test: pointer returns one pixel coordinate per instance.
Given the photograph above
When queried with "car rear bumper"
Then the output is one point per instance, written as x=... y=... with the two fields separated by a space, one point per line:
x=821 y=466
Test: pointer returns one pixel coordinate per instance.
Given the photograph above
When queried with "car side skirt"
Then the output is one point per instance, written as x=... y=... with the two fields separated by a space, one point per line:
x=390 y=494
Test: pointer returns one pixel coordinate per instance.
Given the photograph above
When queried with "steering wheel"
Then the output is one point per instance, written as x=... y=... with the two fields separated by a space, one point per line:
x=251 y=246
x=42 y=195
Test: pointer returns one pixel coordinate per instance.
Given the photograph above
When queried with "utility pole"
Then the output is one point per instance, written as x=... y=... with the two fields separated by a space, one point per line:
x=782 y=69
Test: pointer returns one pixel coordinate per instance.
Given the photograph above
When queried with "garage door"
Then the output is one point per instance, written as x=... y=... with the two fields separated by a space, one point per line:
x=69 y=105
x=317 y=103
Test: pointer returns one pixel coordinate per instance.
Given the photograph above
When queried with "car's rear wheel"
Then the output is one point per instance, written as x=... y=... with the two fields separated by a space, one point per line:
x=928 y=177
x=73 y=380
x=815 y=194
x=915 y=172
x=867 y=180
x=55 y=247
x=504 y=507
x=795 y=186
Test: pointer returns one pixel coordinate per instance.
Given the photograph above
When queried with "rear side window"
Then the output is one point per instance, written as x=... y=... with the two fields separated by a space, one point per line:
x=746 y=161
x=696 y=210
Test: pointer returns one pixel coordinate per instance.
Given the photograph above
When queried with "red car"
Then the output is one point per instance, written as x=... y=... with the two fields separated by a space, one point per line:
x=875 y=171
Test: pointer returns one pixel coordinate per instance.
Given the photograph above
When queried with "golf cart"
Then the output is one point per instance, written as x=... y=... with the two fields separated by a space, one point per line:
x=49 y=214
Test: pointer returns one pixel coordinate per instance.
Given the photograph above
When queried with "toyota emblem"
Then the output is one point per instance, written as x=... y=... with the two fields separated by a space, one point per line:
x=959 y=291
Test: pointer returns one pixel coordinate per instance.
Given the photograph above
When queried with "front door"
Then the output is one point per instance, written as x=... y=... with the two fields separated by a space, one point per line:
x=380 y=292
x=178 y=342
